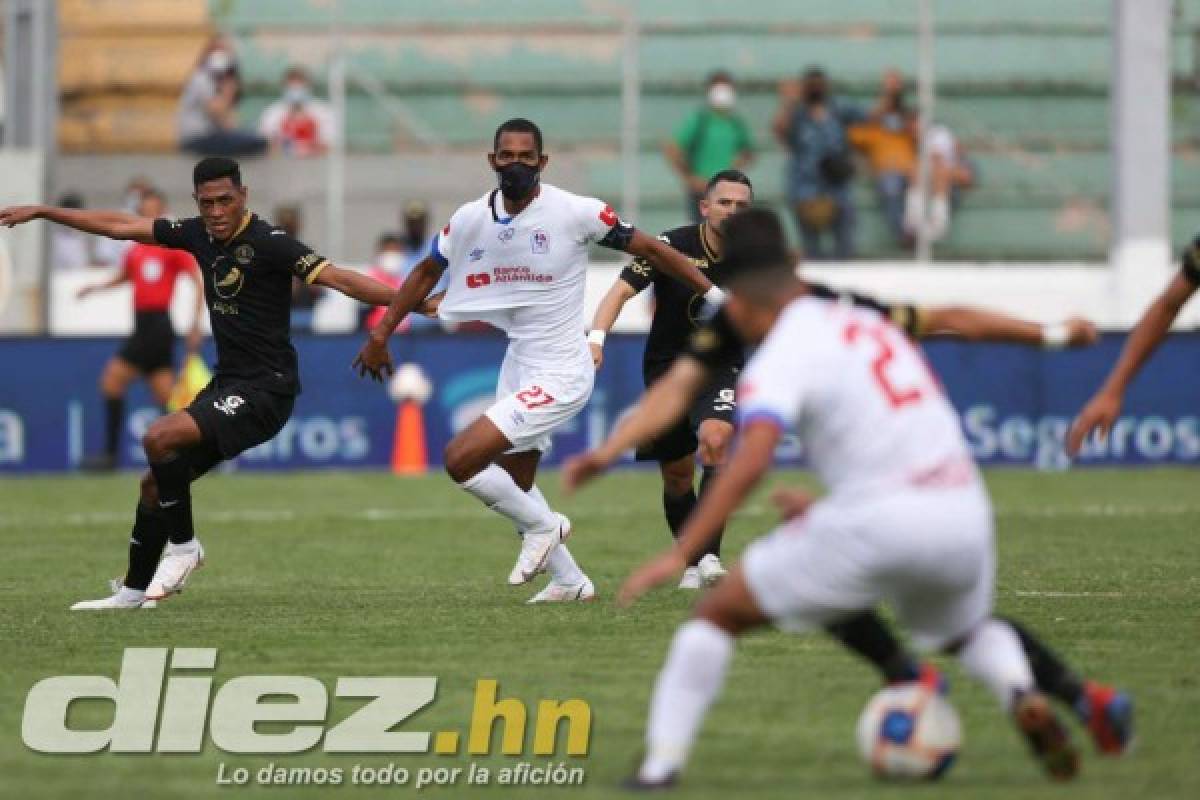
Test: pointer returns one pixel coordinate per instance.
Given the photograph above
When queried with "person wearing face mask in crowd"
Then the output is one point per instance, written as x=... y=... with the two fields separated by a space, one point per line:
x=812 y=126
x=888 y=140
x=517 y=258
x=298 y=124
x=111 y=252
x=207 y=114
x=712 y=139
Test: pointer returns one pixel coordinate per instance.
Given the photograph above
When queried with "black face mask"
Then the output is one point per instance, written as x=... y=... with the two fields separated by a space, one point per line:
x=517 y=180
x=815 y=95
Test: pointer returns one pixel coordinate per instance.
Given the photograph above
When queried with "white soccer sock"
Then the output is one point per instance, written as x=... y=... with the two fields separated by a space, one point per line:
x=561 y=564
x=496 y=489
x=688 y=683
x=994 y=655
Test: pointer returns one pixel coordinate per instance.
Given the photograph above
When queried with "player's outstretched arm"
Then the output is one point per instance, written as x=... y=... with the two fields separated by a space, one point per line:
x=113 y=224
x=979 y=325
x=674 y=263
x=374 y=358
x=664 y=403
x=606 y=315
x=351 y=283
x=751 y=460
x=1102 y=410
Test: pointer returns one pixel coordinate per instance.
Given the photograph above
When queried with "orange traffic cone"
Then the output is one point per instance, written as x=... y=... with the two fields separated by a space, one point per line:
x=408 y=442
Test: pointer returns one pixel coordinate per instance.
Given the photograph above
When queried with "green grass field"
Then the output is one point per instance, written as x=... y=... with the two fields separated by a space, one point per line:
x=360 y=574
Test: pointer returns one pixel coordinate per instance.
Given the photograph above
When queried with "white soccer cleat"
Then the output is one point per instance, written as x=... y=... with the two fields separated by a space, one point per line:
x=122 y=598
x=583 y=592
x=173 y=571
x=117 y=584
x=535 y=551
x=690 y=579
x=710 y=570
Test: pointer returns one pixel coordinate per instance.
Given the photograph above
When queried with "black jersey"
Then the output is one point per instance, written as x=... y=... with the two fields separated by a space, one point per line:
x=1191 y=262
x=248 y=289
x=717 y=345
x=678 y=309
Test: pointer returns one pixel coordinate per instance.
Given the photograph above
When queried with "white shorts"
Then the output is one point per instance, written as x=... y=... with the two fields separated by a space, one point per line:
x=532 y=401
x=928 y=553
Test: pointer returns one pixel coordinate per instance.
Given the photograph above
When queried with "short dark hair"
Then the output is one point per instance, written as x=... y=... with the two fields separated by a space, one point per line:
x=720 y=76
x=214 y=168
x=518 y=125
x=755 y=243
x=729 y=176
x=157 y=194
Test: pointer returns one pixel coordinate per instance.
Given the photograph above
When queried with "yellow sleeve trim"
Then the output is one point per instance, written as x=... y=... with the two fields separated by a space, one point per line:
x=315 y=271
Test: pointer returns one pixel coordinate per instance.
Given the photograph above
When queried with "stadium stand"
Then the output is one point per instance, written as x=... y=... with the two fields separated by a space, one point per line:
x=1035 y=118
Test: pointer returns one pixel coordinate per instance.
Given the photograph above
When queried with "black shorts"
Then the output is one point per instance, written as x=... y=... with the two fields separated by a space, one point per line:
x=235 y=416
x=151 y=346
x=717 y=401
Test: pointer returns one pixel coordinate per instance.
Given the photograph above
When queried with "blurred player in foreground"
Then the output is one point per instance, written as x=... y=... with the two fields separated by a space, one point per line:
x=247 y=265
x=708 y=427
x=517 y=259
x=1105 y=406
x=907 y=519
x=149 y=352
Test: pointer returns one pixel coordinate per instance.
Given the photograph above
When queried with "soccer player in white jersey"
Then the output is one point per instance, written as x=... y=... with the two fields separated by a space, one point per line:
x=517 y=259
x=906 y=519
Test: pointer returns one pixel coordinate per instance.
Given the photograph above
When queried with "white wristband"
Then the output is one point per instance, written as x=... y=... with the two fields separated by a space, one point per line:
x=1056 y=336
x=596 y=337
x=714 y=297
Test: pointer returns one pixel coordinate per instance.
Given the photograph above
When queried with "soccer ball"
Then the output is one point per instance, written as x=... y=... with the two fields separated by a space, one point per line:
x=909 y=732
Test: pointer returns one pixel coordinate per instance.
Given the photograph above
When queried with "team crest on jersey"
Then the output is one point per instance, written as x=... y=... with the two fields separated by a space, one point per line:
x=227 y=278
x=243 y=254
x=476 y=254
x=507 y=234
x=539 y=242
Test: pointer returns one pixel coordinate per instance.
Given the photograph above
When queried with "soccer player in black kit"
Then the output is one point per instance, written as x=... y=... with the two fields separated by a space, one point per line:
x=247 y=265
x=708 y=427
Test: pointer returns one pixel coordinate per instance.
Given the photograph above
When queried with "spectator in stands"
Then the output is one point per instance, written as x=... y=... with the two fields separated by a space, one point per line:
x=207 y=115
x=70 y=249
x=714 y=138
x=414 y=242
x=297 y=124
x=390 y=266
x=304 y=295
x=888 y=140
x=951 y=172
x=812 y=126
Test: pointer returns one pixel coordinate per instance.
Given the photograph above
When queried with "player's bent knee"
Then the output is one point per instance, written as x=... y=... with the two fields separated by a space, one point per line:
x=678 y=476
x=458 y=462
x=730 y=606
x=149 y=489
x=714 y=443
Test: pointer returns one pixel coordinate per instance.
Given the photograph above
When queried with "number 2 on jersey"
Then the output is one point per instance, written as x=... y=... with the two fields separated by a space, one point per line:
x=534 y=397
x=881 y=335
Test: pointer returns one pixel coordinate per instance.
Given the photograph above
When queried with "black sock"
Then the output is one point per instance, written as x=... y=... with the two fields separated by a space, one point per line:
x=174 y=479
x=1053 y=676
x=865 y=634
x=145 y=547
x=707 y=474
x=114 y=415
x=677 y=509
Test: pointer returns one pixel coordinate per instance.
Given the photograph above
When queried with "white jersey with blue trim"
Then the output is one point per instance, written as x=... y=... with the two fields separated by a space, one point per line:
x=525 y=274
x=869 y=413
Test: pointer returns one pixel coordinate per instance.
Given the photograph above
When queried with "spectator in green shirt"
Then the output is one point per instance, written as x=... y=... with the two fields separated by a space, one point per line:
x=711 y=139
